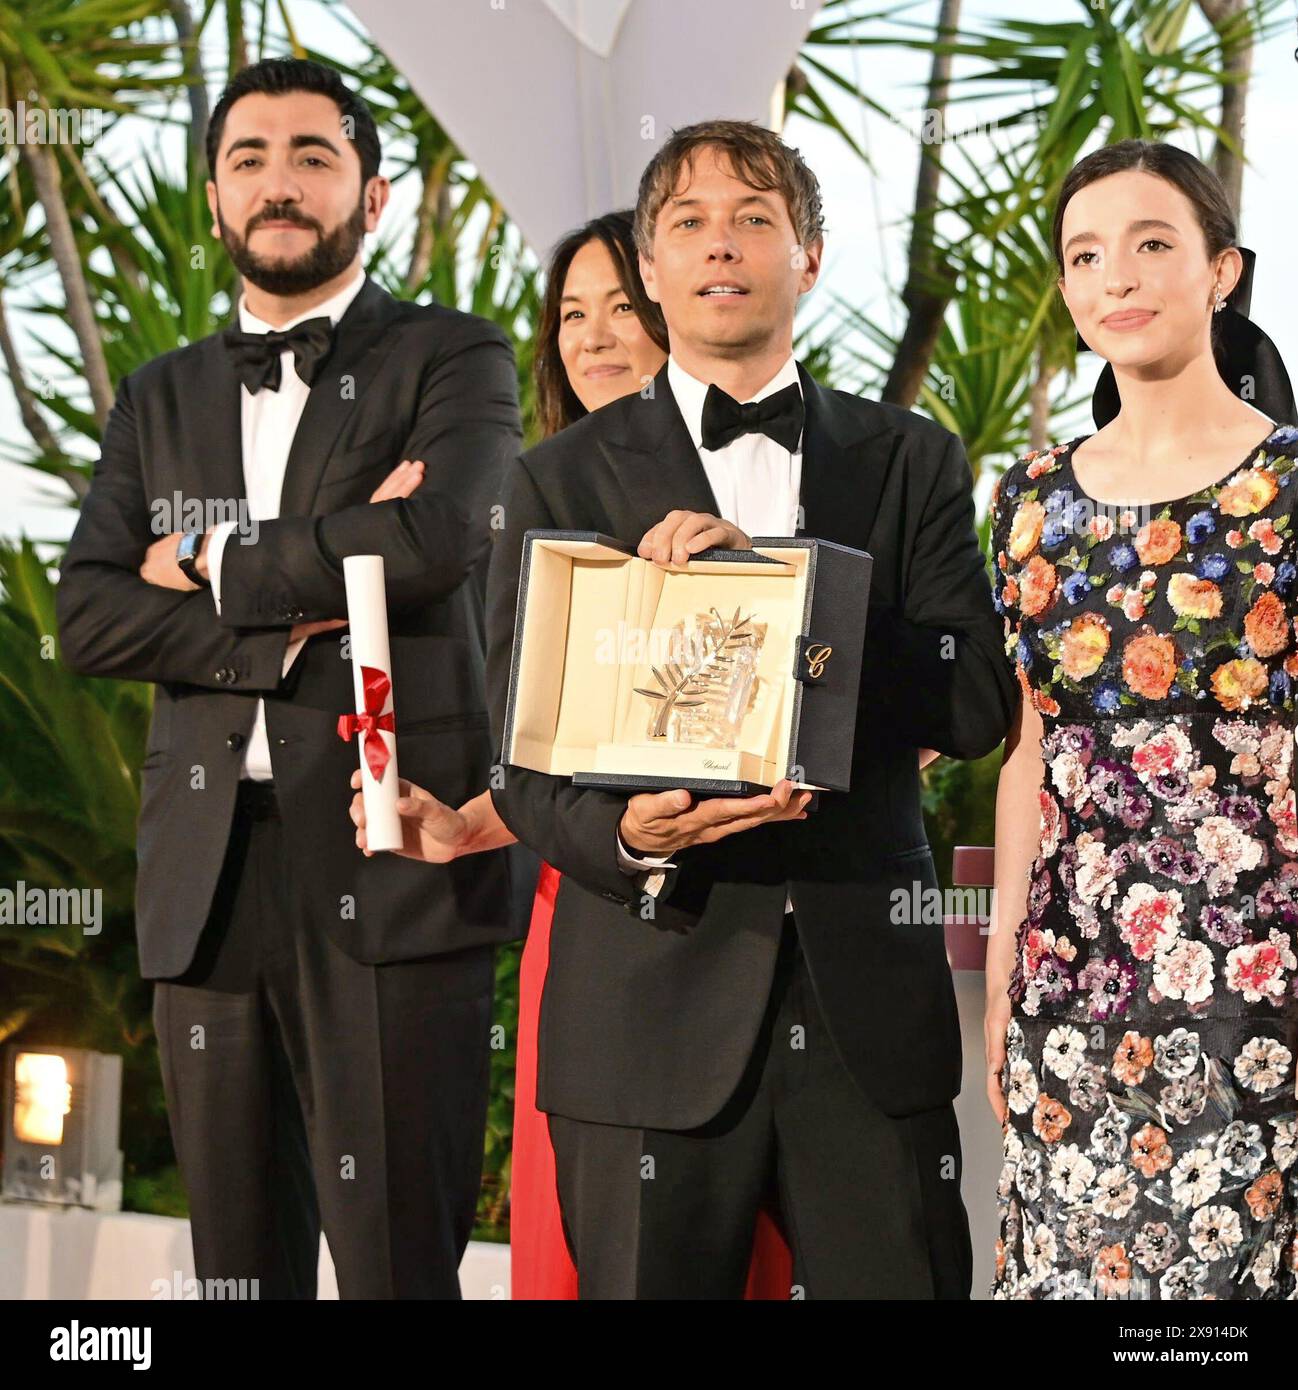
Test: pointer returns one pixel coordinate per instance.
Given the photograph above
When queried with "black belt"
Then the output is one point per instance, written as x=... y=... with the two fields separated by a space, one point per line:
x=257 y=800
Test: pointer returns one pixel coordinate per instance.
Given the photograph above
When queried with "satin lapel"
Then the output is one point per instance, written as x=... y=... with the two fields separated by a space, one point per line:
x=359 y=335
x=219 y=453
x=655 y=460
x=842 y=478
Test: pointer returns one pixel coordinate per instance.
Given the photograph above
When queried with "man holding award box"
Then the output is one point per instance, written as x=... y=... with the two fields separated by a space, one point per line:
x=731 y=1007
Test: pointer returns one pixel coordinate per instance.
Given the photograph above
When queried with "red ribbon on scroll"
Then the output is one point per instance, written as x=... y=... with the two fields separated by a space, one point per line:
x=377 y=685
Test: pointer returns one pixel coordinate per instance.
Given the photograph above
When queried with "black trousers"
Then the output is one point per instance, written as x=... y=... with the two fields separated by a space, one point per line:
x=870 y=1205
x=304 y=1087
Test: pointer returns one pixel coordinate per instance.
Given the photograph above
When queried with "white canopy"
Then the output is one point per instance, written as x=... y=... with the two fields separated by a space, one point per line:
x=561 y=103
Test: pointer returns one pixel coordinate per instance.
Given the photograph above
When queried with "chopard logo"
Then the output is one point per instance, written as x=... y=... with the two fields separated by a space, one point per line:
x=817 y=656
x=713 y=766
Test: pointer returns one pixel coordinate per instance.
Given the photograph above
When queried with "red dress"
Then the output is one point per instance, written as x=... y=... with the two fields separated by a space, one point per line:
x=540 y=1266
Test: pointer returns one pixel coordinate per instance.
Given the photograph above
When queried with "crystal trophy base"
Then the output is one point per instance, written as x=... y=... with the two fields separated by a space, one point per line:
x=685 y=760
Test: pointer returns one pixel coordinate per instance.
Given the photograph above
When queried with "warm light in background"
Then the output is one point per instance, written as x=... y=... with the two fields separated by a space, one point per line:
x=60 y=1122
x=44 y=1096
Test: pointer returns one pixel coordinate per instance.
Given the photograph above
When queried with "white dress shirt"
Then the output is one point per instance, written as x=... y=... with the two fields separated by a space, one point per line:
x=756 y=482
x=754 y=479
x=268 y=422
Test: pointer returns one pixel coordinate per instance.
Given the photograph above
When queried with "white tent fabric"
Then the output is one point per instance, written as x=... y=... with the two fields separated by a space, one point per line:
x=561 y=103
x=594 y=22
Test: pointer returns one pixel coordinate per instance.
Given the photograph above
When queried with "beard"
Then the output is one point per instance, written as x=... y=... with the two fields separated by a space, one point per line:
x=329 y=257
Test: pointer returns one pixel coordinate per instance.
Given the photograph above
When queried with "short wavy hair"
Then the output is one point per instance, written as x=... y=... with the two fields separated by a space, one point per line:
x=276 y=76
x=758 y=158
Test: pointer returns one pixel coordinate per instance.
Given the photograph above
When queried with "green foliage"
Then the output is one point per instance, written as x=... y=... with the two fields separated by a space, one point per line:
x=79 y=53
x=69 y=796
x=171 y=282
x=493 y=1201
x=158 y=278
x=959 y=803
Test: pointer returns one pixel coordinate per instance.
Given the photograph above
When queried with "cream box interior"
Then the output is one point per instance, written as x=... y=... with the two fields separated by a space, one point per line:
x=590 y=628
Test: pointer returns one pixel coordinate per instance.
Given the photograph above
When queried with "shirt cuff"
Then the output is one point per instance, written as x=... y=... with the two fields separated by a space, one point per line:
x=215 y=550
x=633 y=864
x=290 y=655
x=646 y=868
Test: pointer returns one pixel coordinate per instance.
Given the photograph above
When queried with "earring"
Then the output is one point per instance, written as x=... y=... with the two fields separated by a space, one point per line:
x=1220 y=302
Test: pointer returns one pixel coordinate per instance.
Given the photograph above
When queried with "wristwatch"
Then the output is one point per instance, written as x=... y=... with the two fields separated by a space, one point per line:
x=187 y=557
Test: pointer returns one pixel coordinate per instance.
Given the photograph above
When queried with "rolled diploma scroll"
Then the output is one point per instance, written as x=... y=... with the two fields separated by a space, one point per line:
x=367 y=616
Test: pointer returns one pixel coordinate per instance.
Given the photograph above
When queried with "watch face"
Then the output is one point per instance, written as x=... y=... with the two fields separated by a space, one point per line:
x=187 y=556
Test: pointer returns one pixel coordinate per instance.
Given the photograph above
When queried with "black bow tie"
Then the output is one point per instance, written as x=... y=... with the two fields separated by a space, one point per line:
x=256 y=355
x=778 y=416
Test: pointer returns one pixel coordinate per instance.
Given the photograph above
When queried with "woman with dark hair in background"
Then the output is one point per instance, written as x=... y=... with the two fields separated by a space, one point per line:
x=599 y=337
x=1141 y=1014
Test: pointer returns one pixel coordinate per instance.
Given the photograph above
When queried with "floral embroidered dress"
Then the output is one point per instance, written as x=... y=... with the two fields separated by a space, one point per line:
x=1150 y=1149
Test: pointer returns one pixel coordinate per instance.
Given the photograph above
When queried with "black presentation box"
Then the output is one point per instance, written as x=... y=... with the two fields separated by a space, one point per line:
x=588 y=641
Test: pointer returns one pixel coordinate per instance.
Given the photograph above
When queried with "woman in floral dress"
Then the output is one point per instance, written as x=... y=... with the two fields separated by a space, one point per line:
x=1142 y=1021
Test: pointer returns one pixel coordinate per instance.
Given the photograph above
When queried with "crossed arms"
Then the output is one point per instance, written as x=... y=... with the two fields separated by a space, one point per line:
x=114 y=622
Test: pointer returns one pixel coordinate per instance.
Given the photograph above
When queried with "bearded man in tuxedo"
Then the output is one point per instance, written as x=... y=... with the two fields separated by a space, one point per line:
x=323 y=1018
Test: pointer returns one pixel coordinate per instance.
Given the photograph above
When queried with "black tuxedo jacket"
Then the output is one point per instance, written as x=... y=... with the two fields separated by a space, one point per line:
x=402 y=381
x=649 y=1020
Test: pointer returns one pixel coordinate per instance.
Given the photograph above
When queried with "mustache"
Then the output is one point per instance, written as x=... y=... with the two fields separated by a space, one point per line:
x=285 y=213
